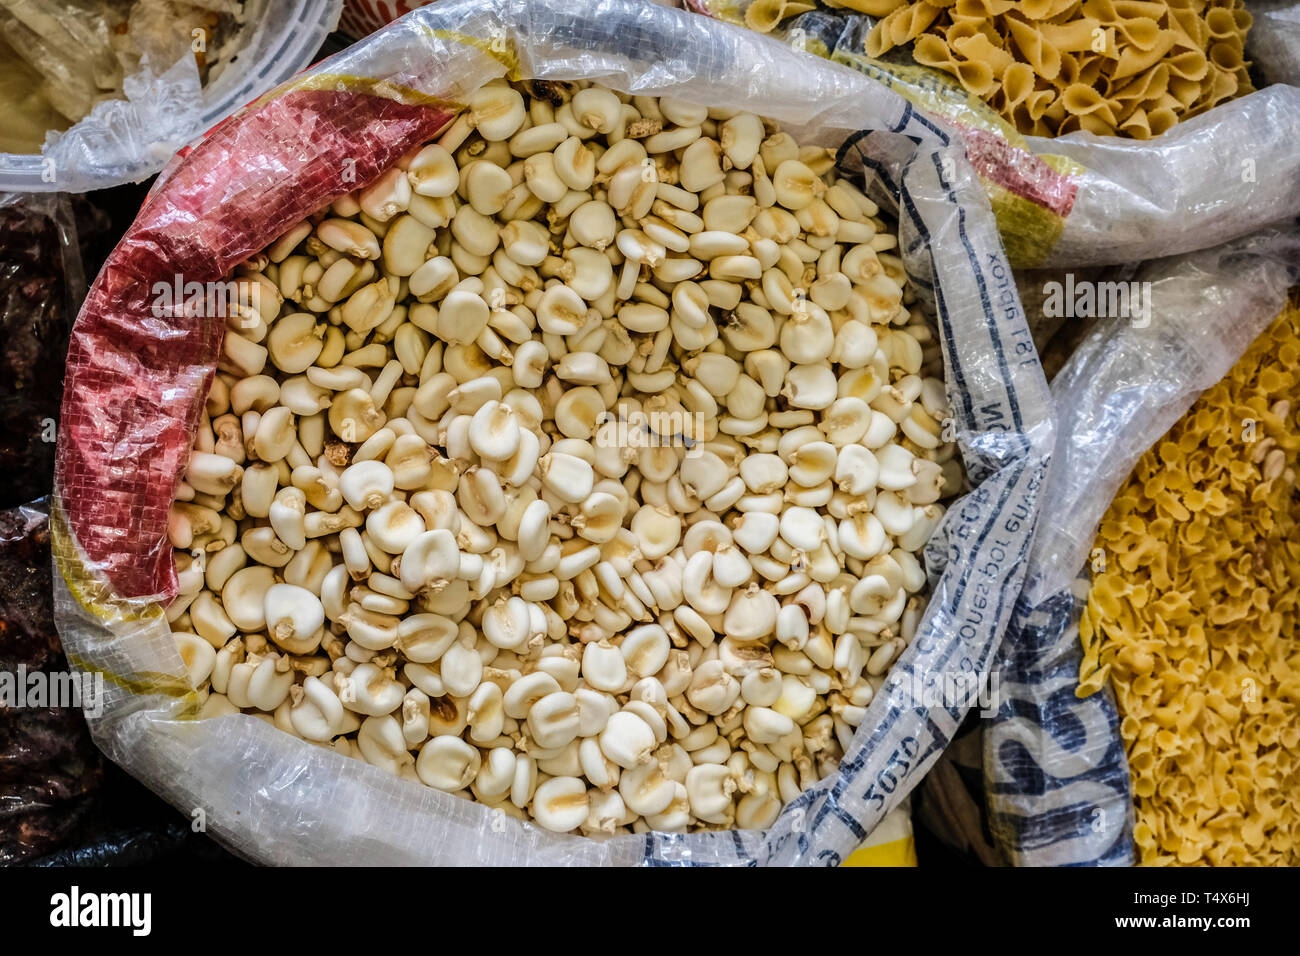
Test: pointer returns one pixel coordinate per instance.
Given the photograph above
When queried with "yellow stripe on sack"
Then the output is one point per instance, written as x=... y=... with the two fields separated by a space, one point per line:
x=98 y=600
x=505 y=53
x=150 y=682
x=1063 y=164
x=346 y=83
x=894 y=853
x=92 y=593
x=933 y=91
x=1029 y=231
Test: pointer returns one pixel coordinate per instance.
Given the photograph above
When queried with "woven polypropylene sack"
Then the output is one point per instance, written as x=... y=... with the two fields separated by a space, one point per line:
x=136 y=386
x=1057 y=777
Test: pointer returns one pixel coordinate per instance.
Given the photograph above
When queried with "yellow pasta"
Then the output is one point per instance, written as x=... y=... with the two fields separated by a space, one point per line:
x=976 y=76
x=1199 y=633
x=1143 y=33
x=1055 y=112
x=1071 y=68
x=1221 y=23
x=1221 y=86
x=963 y=27
x=1017 y=84
x=903 y=25
x=1035 y=50
x=1161 y=120
x=1191 y=26
x=1082 y=100
x=1190 y=65
x=1135 y=59
x=1226 y=56
x=763 y=16
x=872 y=8
x=1148 y=63
x=1076 y=36
x=1137 y=90
x=979 y=48
x=1043 y=9
x=1089 y=123
x=1138 y=125
x=1133 y=9
x=982 y=9
x=1090 y=71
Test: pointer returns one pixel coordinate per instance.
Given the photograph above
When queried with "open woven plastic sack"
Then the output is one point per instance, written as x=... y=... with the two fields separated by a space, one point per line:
x=1057 y=777
x=136 y=385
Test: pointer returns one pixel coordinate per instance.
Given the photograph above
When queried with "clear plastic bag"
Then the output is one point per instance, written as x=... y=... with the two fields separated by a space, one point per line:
x=1273 y=44
x=135 y=389
x=42 y=282
x=1209 y=180
x=130 y=139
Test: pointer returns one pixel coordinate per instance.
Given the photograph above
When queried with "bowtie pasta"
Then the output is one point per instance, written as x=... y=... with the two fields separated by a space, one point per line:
x=1194 y=620
x=1113 y=67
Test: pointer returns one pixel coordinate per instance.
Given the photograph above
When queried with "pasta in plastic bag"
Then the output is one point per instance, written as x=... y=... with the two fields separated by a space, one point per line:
x=1083 y=199
x=1056 y=772
x=136 y=386
x=1188 y=620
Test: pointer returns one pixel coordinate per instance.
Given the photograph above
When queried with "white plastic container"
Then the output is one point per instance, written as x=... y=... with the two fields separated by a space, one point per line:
x=130 y=139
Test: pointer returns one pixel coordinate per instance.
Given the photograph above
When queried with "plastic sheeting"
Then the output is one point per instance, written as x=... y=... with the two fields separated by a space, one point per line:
x=136 y=385
x=1273 y=43
x=1209 y=180
x=363 y=17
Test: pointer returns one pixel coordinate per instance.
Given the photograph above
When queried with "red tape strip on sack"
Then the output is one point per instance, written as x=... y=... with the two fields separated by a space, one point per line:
x=136 y=383
x=1019 y=171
